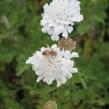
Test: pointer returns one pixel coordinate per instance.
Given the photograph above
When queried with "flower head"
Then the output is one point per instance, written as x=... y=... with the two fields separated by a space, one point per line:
x=50 y=105
x=67 y=44
x=53 y=64
x=59 y=17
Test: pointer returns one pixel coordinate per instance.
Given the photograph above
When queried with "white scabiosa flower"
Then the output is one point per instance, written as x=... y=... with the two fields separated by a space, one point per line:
x=52 y=64
x=59 y=17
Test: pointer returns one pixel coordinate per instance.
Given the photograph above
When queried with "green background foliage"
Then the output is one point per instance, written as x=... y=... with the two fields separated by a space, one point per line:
x=20 y=36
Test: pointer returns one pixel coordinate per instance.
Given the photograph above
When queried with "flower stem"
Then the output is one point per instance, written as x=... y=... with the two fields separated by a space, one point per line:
x=82 y=81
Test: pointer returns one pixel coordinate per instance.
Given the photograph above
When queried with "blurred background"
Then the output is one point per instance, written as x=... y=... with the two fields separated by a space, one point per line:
x=21 y=36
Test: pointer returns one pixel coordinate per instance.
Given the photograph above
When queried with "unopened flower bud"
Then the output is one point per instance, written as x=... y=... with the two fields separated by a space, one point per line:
x=50 y=105
x=67 y=44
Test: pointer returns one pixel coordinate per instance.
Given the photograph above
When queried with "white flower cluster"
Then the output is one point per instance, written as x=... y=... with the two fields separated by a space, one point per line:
x=53 y=64
x=59 y=17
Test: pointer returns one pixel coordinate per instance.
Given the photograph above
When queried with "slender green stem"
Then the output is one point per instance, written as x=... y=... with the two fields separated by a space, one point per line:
x=82 y=81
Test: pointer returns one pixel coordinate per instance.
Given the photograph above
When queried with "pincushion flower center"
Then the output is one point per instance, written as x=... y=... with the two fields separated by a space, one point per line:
x=61 y=14
x=51 y=62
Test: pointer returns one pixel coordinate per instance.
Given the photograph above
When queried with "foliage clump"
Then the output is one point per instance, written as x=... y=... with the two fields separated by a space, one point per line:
x=20 y=36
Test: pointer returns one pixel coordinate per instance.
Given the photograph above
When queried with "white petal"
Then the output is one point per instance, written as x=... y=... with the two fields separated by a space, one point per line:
x=55 y=37
x=54 y=47
x=43 y=49
x=43 y=30
x=75 y=54
x=65 y=34
x=70 y=29
x=39 y=78
x=31 y=60
x=58 y=83
x=49 y=82
x=74 y=70
x=64 y=80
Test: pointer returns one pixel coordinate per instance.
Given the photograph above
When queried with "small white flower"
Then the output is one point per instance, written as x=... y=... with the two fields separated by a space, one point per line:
x=59 y=17
x=53 y=64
